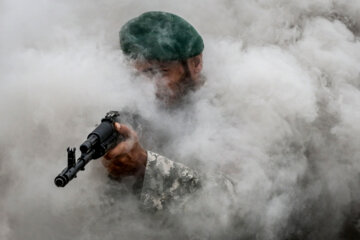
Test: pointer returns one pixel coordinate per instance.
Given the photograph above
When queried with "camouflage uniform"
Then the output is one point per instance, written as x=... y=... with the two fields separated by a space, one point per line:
x=177 y=195
x=166 y=182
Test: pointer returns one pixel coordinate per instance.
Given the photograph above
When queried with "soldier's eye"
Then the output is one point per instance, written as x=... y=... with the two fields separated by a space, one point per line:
x=149 y=71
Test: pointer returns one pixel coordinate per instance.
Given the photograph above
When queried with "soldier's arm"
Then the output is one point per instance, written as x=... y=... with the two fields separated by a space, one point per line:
x=164 y=181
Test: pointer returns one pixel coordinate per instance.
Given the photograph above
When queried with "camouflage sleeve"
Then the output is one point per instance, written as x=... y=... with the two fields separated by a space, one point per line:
x=166 y=181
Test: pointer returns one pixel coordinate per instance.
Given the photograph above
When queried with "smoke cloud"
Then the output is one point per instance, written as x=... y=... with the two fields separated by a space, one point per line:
x=279 y=114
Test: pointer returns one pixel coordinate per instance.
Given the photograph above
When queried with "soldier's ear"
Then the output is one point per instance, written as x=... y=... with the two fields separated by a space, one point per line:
x=195 y=64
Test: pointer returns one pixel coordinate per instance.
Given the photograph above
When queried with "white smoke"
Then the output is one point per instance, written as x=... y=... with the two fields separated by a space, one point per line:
x=279 y=113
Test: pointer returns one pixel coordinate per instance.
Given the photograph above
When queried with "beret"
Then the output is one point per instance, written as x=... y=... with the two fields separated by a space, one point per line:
x=160 y=36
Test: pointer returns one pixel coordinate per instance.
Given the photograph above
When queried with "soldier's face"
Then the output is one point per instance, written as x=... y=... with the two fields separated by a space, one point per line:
x=173 y=79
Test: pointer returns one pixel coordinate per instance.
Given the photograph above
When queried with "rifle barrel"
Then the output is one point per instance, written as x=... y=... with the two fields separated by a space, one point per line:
x=69 y=173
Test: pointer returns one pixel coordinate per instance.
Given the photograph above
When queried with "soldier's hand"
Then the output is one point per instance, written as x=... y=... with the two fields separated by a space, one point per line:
x=128 y=158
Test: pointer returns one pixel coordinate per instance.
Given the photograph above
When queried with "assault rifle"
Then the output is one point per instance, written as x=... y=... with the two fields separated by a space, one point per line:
x=98 y=143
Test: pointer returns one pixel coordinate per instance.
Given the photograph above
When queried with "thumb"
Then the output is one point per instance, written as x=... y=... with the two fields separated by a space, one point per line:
x=125 y=131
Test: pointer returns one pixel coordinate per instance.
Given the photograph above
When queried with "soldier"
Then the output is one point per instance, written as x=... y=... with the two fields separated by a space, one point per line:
x=166 y=47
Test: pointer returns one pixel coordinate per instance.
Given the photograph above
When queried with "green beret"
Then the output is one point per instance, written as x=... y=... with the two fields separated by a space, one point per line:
x=160 y=36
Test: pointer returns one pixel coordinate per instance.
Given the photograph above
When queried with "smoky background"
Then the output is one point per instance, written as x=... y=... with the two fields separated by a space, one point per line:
x=279 y=114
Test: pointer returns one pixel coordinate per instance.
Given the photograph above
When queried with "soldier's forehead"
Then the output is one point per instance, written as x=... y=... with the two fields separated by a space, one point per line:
x=155 y=63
